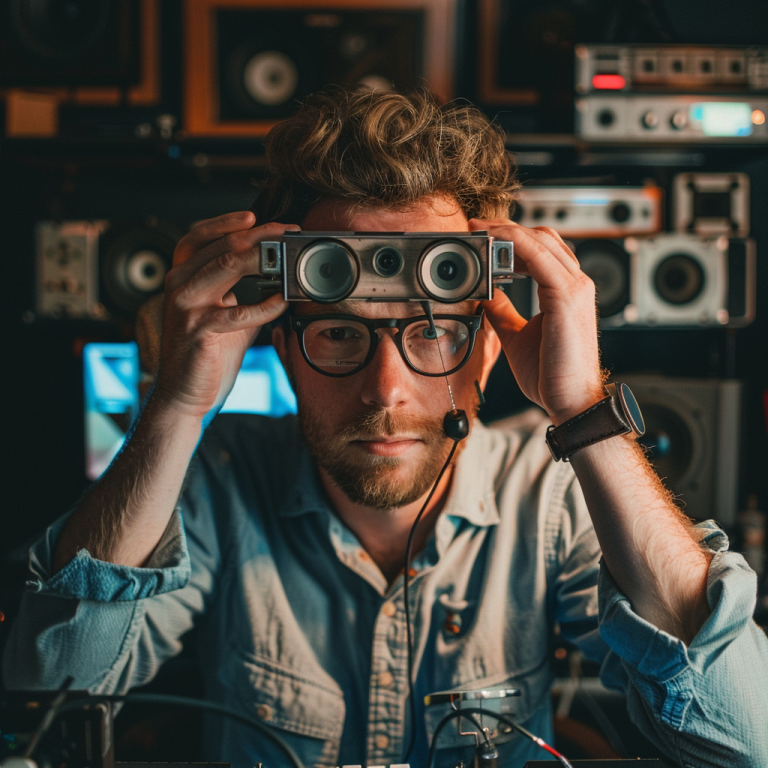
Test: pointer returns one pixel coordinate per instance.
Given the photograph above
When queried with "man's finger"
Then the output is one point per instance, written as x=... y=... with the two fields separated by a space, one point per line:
x=207 y=231
x=503 y=316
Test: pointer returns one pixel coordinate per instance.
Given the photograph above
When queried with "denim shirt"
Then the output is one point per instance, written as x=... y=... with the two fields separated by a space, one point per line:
x=299 y=628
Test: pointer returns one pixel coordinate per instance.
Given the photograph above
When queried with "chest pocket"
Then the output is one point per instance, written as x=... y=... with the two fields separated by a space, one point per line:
x=284 y=699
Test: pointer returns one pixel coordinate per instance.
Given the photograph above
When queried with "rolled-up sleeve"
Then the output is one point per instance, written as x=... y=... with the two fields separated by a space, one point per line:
x=704 y=704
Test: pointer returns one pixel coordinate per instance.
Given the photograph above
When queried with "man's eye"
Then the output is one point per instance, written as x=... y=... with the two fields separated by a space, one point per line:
x=340 y=333
x=428 y=333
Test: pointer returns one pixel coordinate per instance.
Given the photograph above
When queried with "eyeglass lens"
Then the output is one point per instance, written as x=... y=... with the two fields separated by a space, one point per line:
x=342 y=345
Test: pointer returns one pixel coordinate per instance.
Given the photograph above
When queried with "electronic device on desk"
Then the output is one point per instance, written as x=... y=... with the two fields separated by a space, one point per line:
x=591 y=211
x=101 y=270
x=672 y=94
x=79 y=737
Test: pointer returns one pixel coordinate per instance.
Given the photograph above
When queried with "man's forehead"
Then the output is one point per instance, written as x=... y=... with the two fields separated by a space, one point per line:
x=377 y=309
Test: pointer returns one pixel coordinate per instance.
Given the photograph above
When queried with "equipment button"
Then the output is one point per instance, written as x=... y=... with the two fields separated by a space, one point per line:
x=386 y=679
x=264 y=712
x=389 y=609
x=381 y=740
x=650 y=120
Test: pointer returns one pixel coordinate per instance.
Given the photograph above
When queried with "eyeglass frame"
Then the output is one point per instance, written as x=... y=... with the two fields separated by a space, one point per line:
x=473 y=323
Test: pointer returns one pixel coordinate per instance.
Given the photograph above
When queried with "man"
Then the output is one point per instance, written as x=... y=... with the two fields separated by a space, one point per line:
x=295 y=536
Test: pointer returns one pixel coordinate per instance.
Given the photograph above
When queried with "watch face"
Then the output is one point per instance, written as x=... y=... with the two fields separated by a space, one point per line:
x=631 y=409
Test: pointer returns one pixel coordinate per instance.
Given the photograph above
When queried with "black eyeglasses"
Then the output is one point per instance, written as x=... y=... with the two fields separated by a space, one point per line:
x=340 y=345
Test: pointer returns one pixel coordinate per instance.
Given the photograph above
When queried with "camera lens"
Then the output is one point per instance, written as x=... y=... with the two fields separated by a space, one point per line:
x=449 y=271
x=326 y=271
x=387 y=262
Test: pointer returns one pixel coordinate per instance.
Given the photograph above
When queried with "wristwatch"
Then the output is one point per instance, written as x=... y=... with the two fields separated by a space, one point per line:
x=616 y=414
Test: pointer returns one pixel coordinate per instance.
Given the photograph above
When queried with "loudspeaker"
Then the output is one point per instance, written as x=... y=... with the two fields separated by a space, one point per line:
x=101 y=270
x=693 y=433
x=712 y=203
x=72 y=42
x=250 y=62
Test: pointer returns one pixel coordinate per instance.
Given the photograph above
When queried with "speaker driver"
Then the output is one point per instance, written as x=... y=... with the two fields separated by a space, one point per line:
x=327 y=272
x=669 y=441
x=449 y=272
x=607 y=264
x=270 y=78
x=679 y=279
x=59 y=29
x=134 y=260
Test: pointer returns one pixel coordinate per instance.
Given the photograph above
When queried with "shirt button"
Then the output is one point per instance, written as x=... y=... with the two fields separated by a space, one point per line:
x=388 y=609
x=381 y=740
x=386 y=679
x=264 y=711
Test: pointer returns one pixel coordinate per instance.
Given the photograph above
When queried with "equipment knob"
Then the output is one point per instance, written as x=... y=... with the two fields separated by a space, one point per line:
x=620 y=212
x=650 y=120
x=679 y=120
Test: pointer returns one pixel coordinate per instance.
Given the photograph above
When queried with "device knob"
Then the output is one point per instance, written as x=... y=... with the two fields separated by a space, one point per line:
x=650 y=120
x=620 y=212
x=679 y=120
x=606 y=117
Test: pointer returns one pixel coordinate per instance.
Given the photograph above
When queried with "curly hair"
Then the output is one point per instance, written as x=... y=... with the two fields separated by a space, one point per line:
x=385 y=149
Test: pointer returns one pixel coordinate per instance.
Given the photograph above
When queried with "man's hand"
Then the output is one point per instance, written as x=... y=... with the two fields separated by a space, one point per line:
x=205 y=331
x=554 y=356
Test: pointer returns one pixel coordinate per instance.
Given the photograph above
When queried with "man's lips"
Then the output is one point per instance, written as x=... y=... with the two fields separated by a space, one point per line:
x=387 y=445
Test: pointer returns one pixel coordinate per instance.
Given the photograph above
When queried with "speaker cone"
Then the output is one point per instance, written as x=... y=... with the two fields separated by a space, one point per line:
x=449 y=271
x=607 y=264
x=679 y=279
x=326 y=271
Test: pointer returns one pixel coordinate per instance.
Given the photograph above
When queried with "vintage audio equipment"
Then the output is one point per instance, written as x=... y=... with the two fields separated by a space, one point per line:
x=98 y=270
x=85 y=42
x=661 y=118
x=712 y=204
x=679 y=280
x=671 y=69
x=693 y=428
x=249 y=62
x=591 y=211
x=327 y=267
x=667 y=281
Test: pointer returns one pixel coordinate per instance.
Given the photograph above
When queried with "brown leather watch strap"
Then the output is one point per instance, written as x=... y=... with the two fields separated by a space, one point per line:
x=603 y=420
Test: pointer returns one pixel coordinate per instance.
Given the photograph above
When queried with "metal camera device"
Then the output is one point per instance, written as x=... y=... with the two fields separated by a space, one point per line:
x=327 y=267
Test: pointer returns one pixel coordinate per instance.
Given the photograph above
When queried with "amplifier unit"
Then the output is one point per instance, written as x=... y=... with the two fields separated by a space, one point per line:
x=592 y=211
x=661 y=118
x=671 y=69
x=711 y=204
x=667 y=281
x=250 y=62
x=98 y=270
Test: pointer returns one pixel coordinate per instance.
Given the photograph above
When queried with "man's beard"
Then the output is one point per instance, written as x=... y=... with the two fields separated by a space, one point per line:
x=368 y=479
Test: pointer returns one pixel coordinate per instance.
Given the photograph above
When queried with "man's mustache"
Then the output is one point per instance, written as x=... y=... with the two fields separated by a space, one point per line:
x=381 y=423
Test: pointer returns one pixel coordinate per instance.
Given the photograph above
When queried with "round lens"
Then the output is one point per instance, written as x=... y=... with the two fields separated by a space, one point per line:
x=327 y=271
x=679 y=279
x=449 y=271
x=336 y=346
x=436 y=353
x=387 y=262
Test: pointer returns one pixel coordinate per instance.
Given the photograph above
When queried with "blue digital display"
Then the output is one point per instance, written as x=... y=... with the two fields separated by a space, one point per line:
x=723 y=118
x=111 y=379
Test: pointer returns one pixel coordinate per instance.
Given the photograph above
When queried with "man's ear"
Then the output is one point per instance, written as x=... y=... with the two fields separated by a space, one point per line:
x=491 y=351
x=278 y=341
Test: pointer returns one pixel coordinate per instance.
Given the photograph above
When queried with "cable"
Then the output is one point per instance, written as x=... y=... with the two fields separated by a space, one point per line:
x=467 y=714
x=185 y=701
x=500 y=718
x=56 y=706
x=406 y=579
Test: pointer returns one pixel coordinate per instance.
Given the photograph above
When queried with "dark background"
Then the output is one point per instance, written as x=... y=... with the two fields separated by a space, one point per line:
x=116 y=163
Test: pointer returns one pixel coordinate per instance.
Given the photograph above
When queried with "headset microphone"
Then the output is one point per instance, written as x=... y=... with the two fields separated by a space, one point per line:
x=456 y=424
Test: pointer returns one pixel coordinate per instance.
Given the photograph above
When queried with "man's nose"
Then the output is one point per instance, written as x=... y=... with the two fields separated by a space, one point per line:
x=387 y=377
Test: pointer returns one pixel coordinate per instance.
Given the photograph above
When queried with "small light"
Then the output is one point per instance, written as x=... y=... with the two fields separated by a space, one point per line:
x=606 y=82
x=758 y=116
